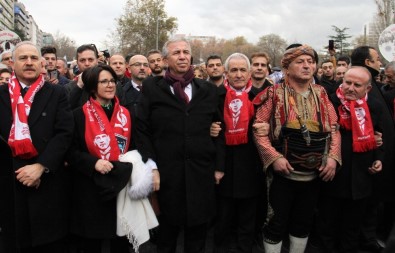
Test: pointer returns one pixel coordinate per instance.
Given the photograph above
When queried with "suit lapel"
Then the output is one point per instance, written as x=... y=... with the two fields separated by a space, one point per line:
x=40 y=101
x=198 y=91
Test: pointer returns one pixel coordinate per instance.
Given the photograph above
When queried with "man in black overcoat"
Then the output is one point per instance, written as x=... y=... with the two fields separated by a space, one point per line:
x=173 y=134
x=37 y=183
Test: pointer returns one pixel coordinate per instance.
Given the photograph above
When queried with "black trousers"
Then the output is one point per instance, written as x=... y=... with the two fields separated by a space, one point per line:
x=60 y=246
x=87 y=245
x=194 y=237
x=293 y=204
x=244 y=211
x=338 y=223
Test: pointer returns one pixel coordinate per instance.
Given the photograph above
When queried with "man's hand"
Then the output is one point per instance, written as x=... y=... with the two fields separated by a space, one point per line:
x=53 y=81
x=218 y=175
x=80 y=83
x=261 y=128
x=215 y=129
x=29 y=175
x=328 y=171
x=378 y=138
x=103 y=166
x=282 y=166
x=155 y=180
x=377 y=166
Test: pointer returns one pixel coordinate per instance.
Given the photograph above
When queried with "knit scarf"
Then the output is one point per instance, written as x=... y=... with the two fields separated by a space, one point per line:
x=238 y=111
x=20 y=140
x=106 y=139
x=179 y=83
x=362 y=129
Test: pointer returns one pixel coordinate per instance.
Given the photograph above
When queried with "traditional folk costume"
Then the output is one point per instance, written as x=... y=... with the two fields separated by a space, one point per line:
x=300 y=131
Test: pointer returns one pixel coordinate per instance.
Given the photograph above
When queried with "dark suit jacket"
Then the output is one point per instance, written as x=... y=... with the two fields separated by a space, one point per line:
x=243 y=171
x=41 y=214
x=132 y=99
x=352 y=180
x=177 y=137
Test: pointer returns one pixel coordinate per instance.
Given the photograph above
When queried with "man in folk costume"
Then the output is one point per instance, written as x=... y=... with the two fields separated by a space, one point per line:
x=344 y=199
x=173 y=132
x=38 y=124
x=299 y=151
x=239 y=183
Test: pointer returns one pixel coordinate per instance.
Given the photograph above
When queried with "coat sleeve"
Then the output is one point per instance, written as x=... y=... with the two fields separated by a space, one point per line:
x=63 y=126
x=143 y=138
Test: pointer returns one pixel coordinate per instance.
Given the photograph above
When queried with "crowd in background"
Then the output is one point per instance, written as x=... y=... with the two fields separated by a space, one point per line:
x=297 y=157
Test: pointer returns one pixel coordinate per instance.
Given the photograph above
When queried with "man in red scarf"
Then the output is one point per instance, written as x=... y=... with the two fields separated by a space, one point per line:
x=343 y=200
x=38 y=125
x=239 y=182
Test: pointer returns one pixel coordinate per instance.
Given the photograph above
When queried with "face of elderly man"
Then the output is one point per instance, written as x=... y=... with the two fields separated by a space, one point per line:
x=238 y=73
x=27 y=64
x=356 y=83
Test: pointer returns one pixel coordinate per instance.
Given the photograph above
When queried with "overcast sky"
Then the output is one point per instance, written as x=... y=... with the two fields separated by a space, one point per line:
x=307 y=21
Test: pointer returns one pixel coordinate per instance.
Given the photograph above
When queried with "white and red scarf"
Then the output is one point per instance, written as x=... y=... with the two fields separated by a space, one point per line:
x=106 y=139
x=20 y=140
x=362 y=131
x=238 y=111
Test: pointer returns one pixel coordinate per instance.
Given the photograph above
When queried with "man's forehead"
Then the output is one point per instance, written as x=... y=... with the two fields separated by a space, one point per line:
x=178 y=45
x=135 y=59
x=259 y=59
x=26 y=48
x=87 y=53
x=214 y=61
x=154 y=56
x=117 y=58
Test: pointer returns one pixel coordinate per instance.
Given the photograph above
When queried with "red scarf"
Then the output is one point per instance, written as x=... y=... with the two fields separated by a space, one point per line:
x=238 y=111
x=362 y=130
x=106 y=139
x=20 y=140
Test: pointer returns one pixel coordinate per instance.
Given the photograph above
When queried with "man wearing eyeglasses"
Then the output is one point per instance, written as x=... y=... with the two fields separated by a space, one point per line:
x=138 y=69
x=6 y=58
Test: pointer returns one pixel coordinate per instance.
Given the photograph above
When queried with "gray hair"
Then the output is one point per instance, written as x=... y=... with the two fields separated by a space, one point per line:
x=237 y=56
x=25 y=43
x=3 y=53
x=390 y=66
x=165 y=50
x=63 y=60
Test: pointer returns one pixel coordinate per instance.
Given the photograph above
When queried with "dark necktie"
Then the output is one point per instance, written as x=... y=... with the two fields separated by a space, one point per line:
x=24 y=91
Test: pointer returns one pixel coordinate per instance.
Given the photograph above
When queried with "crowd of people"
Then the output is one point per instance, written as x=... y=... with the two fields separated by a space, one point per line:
x=299 y=157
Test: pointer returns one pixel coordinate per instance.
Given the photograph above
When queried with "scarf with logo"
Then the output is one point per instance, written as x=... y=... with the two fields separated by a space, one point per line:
x=238 y=111
x=106 y=139
x=20 y=140
x=179 y=83
x=362 y=130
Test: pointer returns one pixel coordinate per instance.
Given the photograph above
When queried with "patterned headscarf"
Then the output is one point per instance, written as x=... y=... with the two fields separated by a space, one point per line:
x=292 y=53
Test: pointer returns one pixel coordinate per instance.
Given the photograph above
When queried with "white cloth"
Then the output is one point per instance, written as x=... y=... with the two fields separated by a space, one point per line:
x=135 y=216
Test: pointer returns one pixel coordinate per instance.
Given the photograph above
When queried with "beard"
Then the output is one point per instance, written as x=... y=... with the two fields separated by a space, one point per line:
x=157 y=71
x=216 y=78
